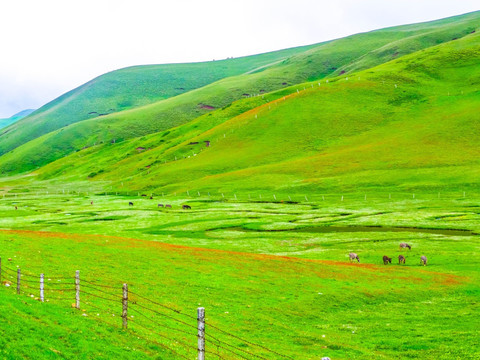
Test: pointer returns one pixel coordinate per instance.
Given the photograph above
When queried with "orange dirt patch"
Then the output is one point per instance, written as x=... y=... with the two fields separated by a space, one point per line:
x=204 y=253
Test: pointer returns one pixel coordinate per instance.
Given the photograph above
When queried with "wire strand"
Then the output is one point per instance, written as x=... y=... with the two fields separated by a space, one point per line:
x=167 y=316
x=159 y=344
x=158 y=324
x=190 y=347
x=248 y=342
x=162 y=305
x=100 y=297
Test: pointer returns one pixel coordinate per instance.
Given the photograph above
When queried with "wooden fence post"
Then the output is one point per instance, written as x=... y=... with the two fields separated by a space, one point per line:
x=125 y=306
x=77 y=289
x=42 y=299
x=201 y=333
x=18 y=281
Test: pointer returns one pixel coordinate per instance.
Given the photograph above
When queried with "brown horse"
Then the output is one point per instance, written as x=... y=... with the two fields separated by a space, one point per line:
x=404 y=246
x=401 y=259
x=386 y=260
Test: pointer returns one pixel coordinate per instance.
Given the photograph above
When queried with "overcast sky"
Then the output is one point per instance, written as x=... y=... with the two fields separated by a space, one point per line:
x=51 y=46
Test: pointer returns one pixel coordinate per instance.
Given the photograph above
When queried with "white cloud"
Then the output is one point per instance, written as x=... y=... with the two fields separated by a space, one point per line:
x=51 y=46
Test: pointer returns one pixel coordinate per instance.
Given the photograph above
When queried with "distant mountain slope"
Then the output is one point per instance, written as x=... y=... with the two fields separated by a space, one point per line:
x=316 y=62
x=410 y=123
x=14 y=118
x=128 y=88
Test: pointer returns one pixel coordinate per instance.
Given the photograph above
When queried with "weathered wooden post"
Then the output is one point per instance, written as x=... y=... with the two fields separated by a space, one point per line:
x=77 y=289
x=18 y=281
x=201 y=333
x=125 y=306
x=42 y=299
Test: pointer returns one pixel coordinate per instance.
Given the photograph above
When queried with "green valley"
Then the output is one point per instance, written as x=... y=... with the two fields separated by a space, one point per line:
x=242 y=186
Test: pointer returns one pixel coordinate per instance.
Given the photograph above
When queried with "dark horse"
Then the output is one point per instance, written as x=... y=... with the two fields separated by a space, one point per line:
x=386 y=260
x=130 y=203
x=186 y=207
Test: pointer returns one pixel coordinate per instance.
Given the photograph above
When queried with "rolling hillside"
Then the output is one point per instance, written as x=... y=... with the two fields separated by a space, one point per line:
x=329 y=59
x=15 y=118
x=410 y=123
x=129 y=88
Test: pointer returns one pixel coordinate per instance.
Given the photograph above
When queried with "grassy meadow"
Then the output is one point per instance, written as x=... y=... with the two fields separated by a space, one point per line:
x=255 y=264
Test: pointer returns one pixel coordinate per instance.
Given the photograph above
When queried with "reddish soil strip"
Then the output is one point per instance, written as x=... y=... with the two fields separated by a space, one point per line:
x=139 y=243
x=373 y=269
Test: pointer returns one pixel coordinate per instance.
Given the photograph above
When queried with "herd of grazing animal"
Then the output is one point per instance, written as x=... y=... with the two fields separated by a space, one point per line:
x=166 y=206
x=387 y=260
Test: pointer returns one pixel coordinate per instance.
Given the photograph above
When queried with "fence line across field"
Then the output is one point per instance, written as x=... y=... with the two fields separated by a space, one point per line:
x=209 y=343
x=265 y=196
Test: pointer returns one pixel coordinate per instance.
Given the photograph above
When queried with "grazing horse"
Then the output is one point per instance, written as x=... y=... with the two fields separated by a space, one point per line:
x=401 y=259
x=386 y=260
x=404 y=246
x=423 y=260
x=186 y=207
x=160 y=205
x=353 y=256
x=130 y=203
x=168 y=206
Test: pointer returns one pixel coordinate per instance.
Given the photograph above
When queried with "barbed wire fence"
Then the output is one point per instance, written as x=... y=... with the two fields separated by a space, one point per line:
x=183 y=335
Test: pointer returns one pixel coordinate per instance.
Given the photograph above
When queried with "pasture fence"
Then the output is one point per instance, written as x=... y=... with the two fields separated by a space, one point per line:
x=165 y=326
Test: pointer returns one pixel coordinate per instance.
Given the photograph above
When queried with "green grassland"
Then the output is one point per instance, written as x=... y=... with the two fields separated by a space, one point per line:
x=294 y=179
x=268 y=72
x=254 y=265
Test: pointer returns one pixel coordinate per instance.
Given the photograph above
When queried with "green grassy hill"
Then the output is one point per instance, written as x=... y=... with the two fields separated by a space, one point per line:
x=131 y=87
x=15 y=118
x=316 y=62
x=410 y=123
